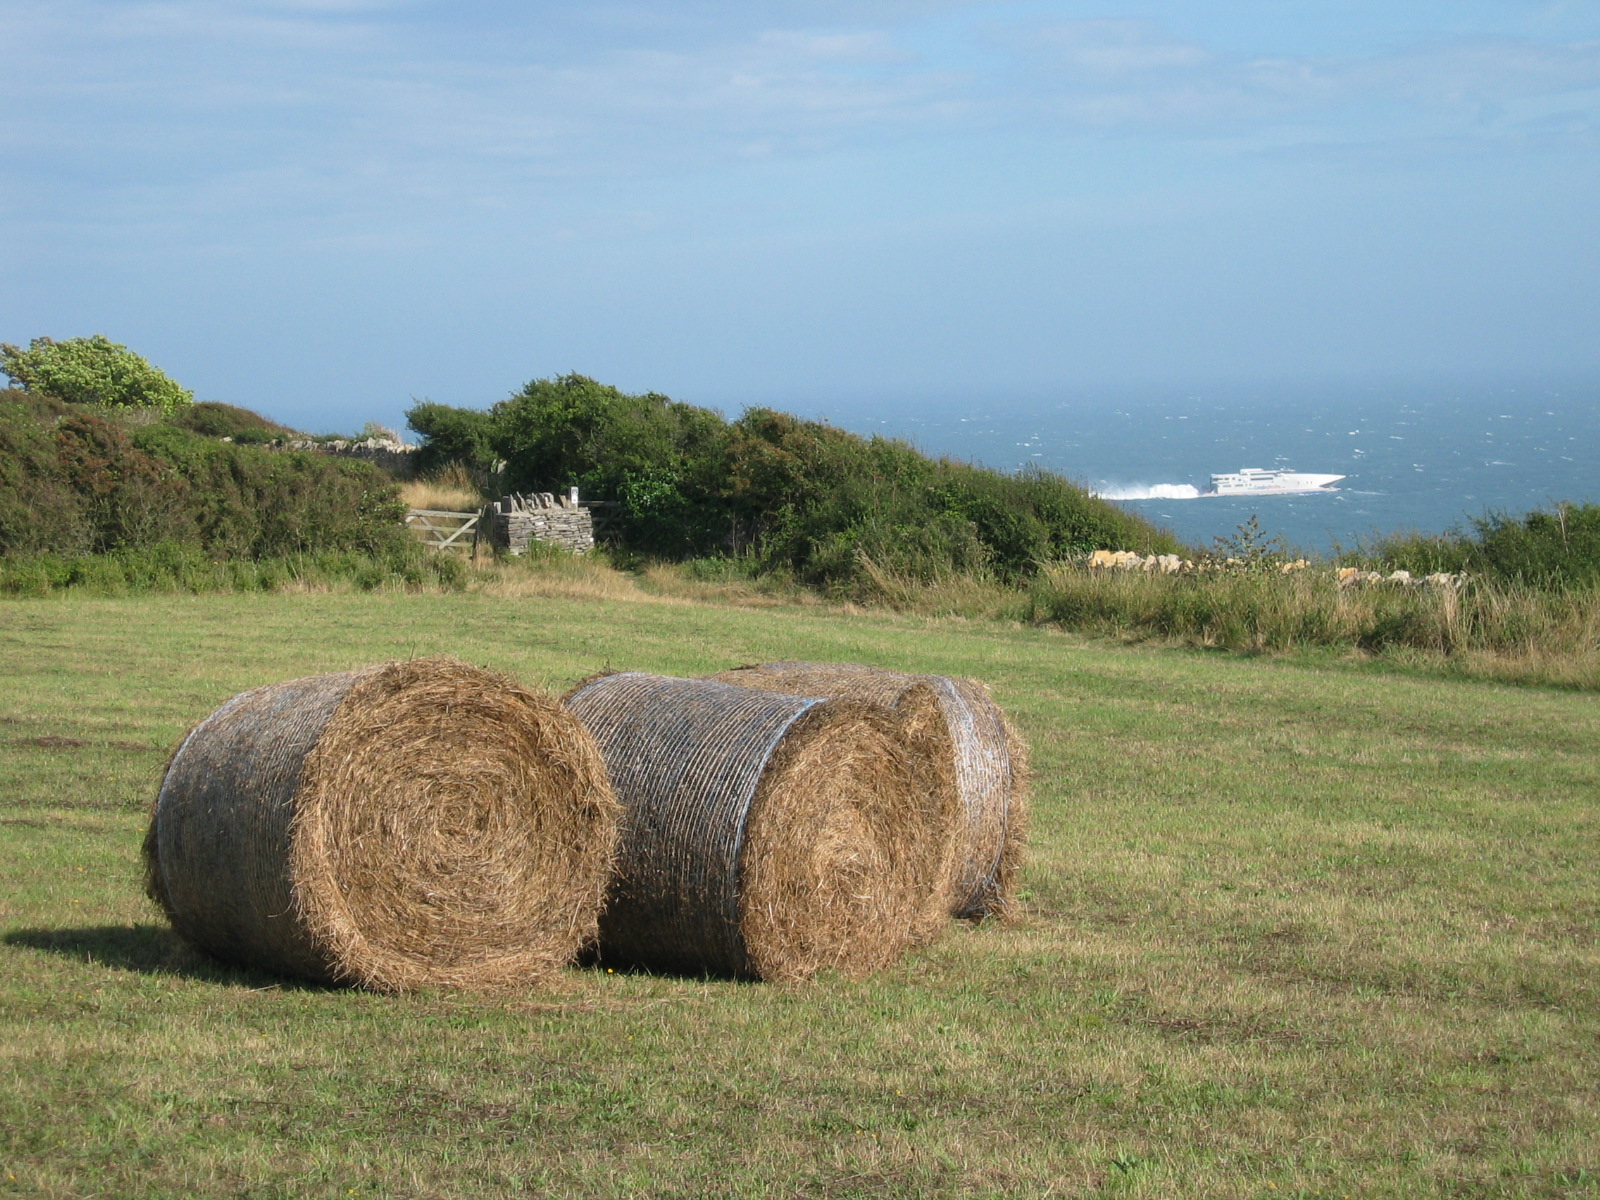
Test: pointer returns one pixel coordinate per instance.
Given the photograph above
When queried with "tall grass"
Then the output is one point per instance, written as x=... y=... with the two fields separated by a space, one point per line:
x=450 y=489
x=1504 y=630
x=1510 y=630
x=173 y=567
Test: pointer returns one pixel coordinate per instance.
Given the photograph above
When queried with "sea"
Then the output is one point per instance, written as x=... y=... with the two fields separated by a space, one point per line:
x=1417 y=457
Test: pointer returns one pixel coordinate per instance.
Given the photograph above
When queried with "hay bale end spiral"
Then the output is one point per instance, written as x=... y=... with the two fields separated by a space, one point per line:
x=764 y=835
x=424 y=823
x=989 y=758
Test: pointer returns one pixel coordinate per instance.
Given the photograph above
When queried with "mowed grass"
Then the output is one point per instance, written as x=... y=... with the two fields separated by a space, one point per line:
x=1289 y=930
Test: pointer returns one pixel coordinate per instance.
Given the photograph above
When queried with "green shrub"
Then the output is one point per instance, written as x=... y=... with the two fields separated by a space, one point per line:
x=252 y=502
x=818 y=499
x=45 y=410
x=210 y=418
x=91 y=370
x=128 y=497
x=85 y=484
x=1541 y=549
x=39 y=509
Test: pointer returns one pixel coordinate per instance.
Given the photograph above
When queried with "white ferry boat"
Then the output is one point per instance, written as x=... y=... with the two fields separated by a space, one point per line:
x=1255 y=481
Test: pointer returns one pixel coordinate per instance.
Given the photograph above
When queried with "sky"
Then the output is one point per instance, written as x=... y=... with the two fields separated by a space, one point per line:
x=328 y=209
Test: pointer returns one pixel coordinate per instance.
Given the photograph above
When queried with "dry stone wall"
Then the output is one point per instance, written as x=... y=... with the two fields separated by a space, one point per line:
x=395 y=457
x=520 y=519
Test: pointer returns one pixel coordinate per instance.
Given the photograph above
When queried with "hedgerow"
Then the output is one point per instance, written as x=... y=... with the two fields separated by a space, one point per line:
x=86 y=484
x=792 y=495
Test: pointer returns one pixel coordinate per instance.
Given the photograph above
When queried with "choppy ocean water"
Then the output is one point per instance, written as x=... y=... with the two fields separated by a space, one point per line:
x=1415 y=457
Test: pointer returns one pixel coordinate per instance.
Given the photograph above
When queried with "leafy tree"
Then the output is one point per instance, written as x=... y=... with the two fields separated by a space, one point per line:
x=92 y=370
x=451 y=435
x=572 y=430
x=665 y=461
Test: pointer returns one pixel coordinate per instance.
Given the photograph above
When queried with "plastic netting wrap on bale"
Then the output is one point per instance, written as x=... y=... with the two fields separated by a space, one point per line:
x=764 y=835
x=990 y=761
x=414 y=824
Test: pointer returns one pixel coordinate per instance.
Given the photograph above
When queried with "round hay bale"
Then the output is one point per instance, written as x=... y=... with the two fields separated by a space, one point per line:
x=989 y=758
x=764 y=835
x=414 y=824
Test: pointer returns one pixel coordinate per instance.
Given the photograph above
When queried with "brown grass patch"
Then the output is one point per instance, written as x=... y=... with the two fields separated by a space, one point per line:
x=564 y=576
x=53 y=742
x=448 y=490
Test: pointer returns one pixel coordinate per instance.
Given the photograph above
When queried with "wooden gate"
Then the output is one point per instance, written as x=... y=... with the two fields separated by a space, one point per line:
x=439 y=530
x=603 y=513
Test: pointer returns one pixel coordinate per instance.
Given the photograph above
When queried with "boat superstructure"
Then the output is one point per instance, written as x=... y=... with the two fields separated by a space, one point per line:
x=1258 y=481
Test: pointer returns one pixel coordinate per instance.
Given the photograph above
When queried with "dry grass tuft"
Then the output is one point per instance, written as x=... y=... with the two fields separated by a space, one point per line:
x=559 y=574
x=414 y=824
x=766 y=835
x=447 y=490
x=689 y=582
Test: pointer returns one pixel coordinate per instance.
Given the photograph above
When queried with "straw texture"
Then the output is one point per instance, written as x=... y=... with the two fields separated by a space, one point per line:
x=764 y=835
x=413 y=824
x=988 y=757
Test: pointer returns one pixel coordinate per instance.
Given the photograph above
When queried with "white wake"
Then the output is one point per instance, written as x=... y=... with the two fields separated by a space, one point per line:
x=1158 y=491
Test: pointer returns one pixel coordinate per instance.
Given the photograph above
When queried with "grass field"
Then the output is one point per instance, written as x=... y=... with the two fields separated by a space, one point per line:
x=1289 y=930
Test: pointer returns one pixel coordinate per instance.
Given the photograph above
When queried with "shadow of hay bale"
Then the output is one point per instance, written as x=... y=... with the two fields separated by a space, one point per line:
x=147 y=949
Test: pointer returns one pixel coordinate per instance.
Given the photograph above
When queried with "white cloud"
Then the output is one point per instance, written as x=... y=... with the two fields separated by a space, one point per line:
x=238 y=29
x=864 y=46
x=1120 y=76
x=1104 y=47
x=310 y=105
x=1471 y=72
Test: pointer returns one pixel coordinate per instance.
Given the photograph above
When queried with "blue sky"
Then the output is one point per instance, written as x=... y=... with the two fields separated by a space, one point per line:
x=325 y=208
